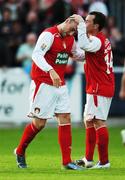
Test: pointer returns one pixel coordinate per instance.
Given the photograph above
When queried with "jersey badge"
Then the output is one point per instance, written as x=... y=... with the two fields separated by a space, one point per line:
x=43 y=46
x=37 y=110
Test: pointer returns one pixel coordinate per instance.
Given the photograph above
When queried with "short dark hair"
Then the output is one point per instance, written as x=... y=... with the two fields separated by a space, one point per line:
x=99 y=19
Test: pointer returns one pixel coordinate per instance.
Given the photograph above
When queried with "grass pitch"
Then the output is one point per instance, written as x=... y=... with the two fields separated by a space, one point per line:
x=44 y=160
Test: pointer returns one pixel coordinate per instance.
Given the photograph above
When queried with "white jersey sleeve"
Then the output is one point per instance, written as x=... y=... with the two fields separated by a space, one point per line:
x=43 y=44
x=78 y=54
x=90 y=44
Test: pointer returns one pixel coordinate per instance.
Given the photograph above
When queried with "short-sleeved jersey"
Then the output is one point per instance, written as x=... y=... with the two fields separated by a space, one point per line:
x=57 y=57
x=99 y=69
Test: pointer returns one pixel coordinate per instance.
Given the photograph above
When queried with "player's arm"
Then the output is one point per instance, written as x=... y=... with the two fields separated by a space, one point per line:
x=122 y=90
x=43 y=44
x=90 y=44
x=77 y=53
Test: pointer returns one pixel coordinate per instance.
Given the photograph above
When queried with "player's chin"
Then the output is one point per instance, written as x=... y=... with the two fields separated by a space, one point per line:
x=73 y=34
x=70 y=34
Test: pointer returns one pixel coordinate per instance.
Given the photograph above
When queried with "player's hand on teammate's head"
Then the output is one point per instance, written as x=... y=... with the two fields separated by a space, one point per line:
x=55 y=78
x=77 y=18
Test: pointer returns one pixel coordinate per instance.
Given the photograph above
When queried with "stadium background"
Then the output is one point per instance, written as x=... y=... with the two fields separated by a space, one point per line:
x=19 y=18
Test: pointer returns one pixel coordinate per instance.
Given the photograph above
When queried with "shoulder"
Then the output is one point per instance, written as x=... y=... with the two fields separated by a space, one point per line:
x=45 y=36
x=101 y=36
x=52 y=30
x=23 y=46
x=105 y=41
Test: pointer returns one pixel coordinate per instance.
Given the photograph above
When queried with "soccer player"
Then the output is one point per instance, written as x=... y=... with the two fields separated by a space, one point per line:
x=99 y=86
x=48 y=93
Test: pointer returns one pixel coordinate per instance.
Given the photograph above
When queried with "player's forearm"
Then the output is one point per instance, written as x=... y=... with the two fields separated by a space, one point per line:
x=78 y=56
x=77 y=53
x=123 y=83
x=92 y=44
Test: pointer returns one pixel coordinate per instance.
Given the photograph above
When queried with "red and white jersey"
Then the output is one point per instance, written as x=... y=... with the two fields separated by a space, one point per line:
x=52 y=52
x=99 y=69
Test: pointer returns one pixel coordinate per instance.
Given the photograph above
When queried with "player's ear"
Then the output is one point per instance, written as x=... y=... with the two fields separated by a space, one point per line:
x=96 y=26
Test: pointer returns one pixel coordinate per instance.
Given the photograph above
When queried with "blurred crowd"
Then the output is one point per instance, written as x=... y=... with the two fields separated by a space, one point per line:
x=21 y=21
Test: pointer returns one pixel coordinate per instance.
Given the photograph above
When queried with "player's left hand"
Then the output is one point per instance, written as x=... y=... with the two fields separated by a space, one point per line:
x=55 y=78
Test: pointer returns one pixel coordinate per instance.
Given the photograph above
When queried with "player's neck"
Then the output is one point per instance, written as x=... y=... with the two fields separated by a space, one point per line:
x=93 y=33
x=61 y=29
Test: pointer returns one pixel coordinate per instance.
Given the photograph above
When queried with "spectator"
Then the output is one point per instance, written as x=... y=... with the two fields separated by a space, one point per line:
x=111 y=23
x=4 y=54
x=24 y=52
x=16 y=38
x=98 y=5
x=6 y=24
x=32 y=23
x=118 y=45
x=54 y=12
x=25 y=7
x=1 y=8
x=77 y=6
x=12 y=5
